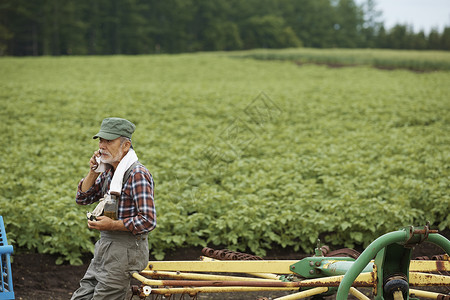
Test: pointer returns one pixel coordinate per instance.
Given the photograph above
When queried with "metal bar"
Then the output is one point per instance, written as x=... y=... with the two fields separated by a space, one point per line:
x=199 y=283
x=219 y=266
x=195 y=276
x=6 y=284
x=429 y=266
x=304 y=294
x=364 y=259
x=231 y=266
x=269 y=266
x=211 y=289
x=266 y=275
x=335 y=267
x=358 y=294
x=424 y=294
x=262 y=275
x=425 y=279
x=205 y=282
x=398 y=295
x=6 y=249
x=364 y=280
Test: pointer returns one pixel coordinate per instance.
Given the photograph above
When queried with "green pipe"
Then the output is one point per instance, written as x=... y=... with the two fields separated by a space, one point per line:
x=374 y=248
x=440 y=240
x=334 y=268
x=365 y=257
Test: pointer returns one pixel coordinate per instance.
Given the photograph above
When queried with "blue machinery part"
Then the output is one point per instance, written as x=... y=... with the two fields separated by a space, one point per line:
x=6 y=284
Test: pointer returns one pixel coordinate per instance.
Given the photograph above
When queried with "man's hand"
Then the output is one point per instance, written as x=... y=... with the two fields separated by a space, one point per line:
x=107 y=224
x=90 y=178
x=93 y=164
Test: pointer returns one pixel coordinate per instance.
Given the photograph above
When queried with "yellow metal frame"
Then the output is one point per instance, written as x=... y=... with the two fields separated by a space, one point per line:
x=267 y=266
x=193 y=277
x=225 y=266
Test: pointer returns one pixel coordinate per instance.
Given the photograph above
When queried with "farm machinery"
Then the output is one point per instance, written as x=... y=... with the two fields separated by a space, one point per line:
x=6 y=285
x=384 y=270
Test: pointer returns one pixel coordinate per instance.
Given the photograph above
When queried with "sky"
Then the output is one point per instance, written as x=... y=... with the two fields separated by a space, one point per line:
x=421 y=14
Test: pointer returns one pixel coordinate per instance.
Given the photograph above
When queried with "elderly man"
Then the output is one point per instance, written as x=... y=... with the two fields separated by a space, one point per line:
x=124 y=216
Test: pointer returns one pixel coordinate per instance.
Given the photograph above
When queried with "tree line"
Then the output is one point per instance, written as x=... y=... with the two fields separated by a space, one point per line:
x=82 y=27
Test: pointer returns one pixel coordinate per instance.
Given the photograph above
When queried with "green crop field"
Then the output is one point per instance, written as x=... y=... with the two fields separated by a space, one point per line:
x=247 y=154
x=383 y=58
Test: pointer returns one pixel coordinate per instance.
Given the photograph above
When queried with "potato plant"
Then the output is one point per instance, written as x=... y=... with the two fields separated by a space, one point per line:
x=246 y=154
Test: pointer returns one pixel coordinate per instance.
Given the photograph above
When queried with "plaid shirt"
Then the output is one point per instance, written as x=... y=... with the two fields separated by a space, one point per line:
x=136 y=204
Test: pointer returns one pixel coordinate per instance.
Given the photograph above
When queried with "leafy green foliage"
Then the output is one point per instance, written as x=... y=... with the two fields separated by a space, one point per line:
x=343 y=154
x=384 y=59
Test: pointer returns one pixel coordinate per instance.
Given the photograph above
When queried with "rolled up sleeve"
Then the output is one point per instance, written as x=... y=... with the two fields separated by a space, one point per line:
x=93 y=194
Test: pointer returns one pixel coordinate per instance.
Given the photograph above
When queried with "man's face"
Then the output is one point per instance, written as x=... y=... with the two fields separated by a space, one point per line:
x=111 y=150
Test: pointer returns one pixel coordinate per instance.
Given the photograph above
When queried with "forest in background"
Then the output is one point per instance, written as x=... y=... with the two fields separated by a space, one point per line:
x=96 y=27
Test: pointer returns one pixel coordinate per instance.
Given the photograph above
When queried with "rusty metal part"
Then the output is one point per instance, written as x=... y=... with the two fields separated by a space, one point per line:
x=325 y=250
x=427 y=279
x=442 y=263
x=141 y=291
x=422 y=258
x=413 y=234
x=345 y=252
x=428 y=294
x=434 y=257
x=425 y=231
x=226 y=254
x=363 y=280
x=192 y=291
x=208 y=251
x=440 y=257
x=440 y=266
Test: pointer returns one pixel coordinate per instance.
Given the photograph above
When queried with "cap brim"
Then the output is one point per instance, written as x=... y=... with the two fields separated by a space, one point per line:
x=106 y=135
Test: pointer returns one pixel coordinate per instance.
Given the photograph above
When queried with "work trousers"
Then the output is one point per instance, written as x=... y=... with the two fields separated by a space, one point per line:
x=117 y=255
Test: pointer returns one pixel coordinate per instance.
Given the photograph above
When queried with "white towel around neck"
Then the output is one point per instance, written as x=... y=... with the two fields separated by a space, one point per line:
x=126 y=162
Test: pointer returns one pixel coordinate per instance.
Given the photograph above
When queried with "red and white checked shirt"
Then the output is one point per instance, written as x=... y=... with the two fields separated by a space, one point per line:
x=136 y=204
